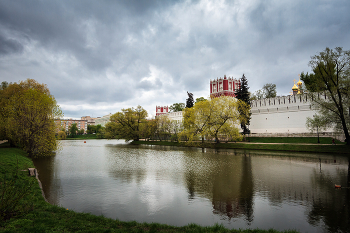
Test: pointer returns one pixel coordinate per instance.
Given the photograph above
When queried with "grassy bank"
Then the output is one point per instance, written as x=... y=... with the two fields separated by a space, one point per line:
x=273 y=144
x=33 y=214
x=307 y=140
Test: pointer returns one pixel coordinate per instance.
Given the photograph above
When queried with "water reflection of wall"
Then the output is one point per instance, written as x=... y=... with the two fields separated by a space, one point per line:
x=225 y=179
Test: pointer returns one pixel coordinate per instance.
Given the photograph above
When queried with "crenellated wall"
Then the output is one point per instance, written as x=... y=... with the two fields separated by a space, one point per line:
x=281 y=115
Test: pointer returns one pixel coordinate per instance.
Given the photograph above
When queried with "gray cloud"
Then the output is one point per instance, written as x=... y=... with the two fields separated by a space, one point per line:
x=101 y=56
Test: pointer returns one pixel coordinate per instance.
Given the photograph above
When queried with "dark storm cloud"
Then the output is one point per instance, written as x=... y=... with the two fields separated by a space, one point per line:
x=101 y=56
x=8 y=46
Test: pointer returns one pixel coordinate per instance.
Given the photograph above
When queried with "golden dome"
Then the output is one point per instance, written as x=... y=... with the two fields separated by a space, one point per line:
x=294 y=87
x=299 y=82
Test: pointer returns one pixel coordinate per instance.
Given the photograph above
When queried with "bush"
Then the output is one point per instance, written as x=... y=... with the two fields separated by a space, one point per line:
x=61 y=135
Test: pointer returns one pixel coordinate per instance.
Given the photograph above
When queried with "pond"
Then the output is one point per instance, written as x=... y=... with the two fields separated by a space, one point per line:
x=178 y=186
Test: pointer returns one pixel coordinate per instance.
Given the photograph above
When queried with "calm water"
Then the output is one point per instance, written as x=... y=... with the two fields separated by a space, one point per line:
x=178 y=186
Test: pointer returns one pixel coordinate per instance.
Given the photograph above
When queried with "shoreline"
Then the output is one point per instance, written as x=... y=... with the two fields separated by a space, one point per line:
x=287 y=147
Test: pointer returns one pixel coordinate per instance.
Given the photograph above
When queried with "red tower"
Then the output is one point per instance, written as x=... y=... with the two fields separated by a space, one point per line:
x=223 y=87
x=161 y=110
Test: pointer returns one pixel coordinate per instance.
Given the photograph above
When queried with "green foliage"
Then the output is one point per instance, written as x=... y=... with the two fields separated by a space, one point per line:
x=329 y=87
x=112 y=130
x=211 y=119
x=128 y=123
x=177 y=107
x=269 y=90
x=4 y=85
x=258 y=95
x=244 y=106
x=317 y=123
x=27 y=117
x=61 y=135
x=200 y=99
x=73 y=129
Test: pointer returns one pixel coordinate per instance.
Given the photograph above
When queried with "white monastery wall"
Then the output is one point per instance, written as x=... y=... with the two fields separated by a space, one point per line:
x=281 y=115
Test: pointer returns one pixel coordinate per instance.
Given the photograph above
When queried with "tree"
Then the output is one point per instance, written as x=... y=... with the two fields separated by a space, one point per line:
x=177 y=107
x=163 y=127
x=189 y=100
x=197 y=120
x=269 y=90
x=329 y=87
x=317 y=123
x=225 y=117
x=200 y=99
x=27 y=117
x=244 y=95
x=212 y=118
x=129 y=123
x=258 y=95
x=73 y=129
x=4 y=85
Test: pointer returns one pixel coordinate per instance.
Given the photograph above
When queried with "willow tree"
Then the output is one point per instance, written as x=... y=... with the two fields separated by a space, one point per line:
x=226 y=117
x=218 y=117
x=128 y=123
x=197 y=120
x=28 y=114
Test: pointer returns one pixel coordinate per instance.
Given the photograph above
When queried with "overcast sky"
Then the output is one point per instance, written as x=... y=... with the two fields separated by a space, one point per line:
x=98 y=57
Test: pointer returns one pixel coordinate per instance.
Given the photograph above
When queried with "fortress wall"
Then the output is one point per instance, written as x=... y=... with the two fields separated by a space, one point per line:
x=281 y=115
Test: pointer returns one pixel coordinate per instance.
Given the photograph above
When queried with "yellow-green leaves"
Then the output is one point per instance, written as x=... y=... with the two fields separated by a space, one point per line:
x=128 y=123
x=215 y=119
x=28 y=116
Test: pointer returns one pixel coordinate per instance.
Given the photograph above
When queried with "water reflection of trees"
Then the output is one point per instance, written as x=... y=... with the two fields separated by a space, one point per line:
x=225 y=179
x=332 y=205
x=51 y=186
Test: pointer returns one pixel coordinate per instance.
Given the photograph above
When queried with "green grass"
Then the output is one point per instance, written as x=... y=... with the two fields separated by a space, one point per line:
x=309 y=140
x=44 y=217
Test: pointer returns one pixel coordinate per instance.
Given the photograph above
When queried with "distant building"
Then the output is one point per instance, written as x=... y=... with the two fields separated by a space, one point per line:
x=66 y=123
x=160 y=110
x=90 y=120
x=103 y=120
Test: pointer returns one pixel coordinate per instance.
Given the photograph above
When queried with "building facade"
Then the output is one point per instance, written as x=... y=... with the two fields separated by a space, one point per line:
x=160 y=110
x=66 y=123
x=103 y=120
x=223 y=87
